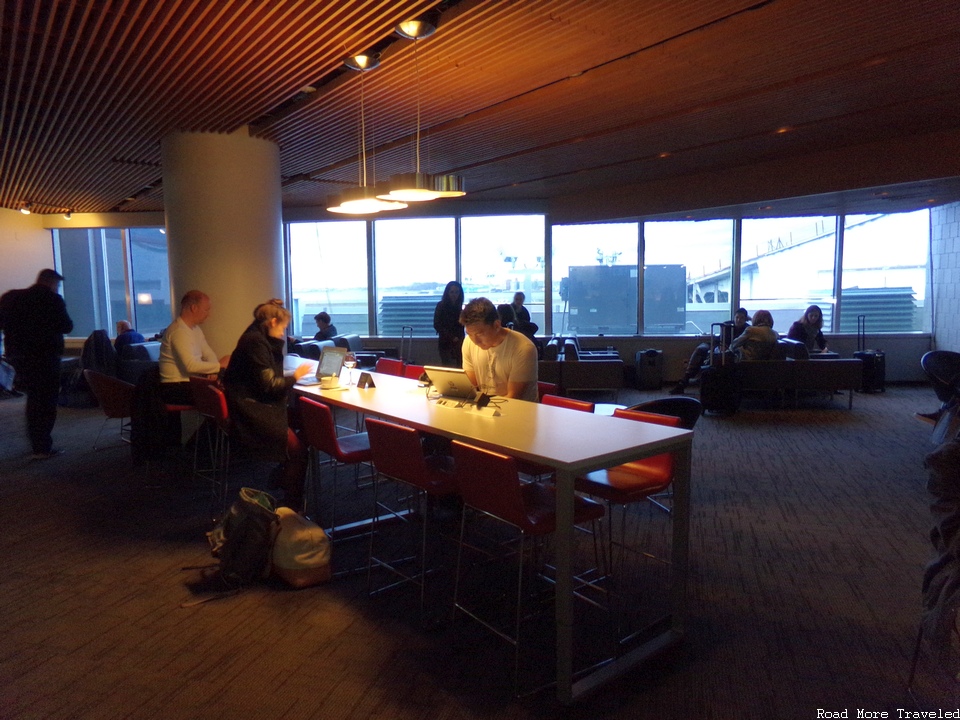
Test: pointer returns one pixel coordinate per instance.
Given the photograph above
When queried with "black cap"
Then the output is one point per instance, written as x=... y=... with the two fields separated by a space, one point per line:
x=47 y=275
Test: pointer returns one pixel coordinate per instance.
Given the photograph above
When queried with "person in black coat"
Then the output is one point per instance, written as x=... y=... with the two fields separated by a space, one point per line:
x=34 y=321
x=257 y=394
x=446 y=321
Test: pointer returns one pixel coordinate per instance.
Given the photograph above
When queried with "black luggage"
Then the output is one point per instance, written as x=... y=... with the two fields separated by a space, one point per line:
x=649 y=364
x=720 y=381
x=874 y=361
x=720 y=389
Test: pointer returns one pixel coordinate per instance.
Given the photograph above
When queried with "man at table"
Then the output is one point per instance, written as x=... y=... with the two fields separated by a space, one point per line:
x=498 y=361
x=184 y=350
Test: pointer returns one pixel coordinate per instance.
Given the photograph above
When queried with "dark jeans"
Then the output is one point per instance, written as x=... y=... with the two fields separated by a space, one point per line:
x=40 y=380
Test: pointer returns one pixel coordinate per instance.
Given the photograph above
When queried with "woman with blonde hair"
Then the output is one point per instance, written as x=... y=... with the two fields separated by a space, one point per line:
x=758 y=341
x=809 y=330
x=257 y=394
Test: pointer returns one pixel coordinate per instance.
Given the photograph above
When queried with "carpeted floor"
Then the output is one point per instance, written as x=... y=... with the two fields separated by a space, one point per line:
x=809 y=538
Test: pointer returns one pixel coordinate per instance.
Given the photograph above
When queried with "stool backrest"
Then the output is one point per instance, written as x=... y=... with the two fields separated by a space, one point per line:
x=569 y=403
x=490 y=482
x=389 y=366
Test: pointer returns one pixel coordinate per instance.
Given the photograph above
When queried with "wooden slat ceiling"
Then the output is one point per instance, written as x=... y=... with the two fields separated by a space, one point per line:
x=534 y=99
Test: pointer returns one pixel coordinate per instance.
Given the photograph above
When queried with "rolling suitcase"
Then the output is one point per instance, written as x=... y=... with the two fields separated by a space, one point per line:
x=649 y=364
x=720 y=381
x=874 y=361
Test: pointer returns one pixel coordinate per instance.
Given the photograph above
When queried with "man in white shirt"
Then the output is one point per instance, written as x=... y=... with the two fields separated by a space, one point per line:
x=184 y=350
x=497 y=360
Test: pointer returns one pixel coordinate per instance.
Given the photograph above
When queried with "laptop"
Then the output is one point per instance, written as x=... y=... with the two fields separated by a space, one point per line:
x=331 y=360
x=451 y=382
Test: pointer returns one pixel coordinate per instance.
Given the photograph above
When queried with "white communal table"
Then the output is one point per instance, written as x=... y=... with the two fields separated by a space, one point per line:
x=572 y=442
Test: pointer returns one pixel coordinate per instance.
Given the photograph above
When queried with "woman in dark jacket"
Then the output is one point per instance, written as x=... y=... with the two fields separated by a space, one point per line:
x=809 y=330
x=446 y=321
x=257 y=394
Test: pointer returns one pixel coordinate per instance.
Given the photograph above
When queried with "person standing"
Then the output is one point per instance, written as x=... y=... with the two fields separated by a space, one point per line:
x=34 y=321
x=498 y=361
x=184 y=350
x=446 y=321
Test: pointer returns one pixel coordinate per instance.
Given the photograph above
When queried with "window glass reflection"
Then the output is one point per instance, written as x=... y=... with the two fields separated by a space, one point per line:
x=328 y=272
x=787 y=264
x=595 y=279
x=502 y=255
x=686 y=276
x=885 y=272
x=414 y=262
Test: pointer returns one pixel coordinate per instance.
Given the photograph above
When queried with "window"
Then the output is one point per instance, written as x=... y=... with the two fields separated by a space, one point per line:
x=686 y=276
x=501 y=255
x=595 y=279
x=151 y=281
x=786 y=265
x=99 y=288
x=328 y=271
x=414 y=262
x=885 y=272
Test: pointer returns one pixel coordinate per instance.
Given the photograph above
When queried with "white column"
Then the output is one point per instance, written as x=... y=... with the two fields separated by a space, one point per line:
x=224 y=226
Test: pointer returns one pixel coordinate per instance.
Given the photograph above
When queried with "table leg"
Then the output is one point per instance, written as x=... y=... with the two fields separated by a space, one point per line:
x=564 y=586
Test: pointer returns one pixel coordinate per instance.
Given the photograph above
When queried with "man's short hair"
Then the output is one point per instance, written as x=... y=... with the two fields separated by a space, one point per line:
x=322 y=316
x=47 y=276
x=191 y=299
x=479 y=310
x=743 y=311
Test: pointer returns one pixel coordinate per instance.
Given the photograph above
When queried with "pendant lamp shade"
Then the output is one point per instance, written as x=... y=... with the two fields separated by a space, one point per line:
x=361 y=201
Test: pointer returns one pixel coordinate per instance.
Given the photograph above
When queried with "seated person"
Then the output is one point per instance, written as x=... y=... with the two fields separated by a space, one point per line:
x=498 y=361
x=522 y=323
x=757 y=342
x=184 y=350
x=508 y=318
x=126 y=335
x=257 y=394
x=731 y=331
x=809 y=330
x=326 y=330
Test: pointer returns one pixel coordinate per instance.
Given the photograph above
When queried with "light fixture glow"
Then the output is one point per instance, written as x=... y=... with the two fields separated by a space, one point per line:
x=419 y=186
x=144 y=299
x=25 y=208
x=411 y=187
x=362 y=62
x=416 y=29
x=68 y=215
x=361 y=201
x=448 y=186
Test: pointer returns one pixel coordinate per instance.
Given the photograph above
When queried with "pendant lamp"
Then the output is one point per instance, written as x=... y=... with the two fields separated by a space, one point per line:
x=361 y=200
x=419 y=186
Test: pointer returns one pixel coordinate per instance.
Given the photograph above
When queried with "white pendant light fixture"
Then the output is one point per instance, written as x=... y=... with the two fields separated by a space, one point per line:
x=418 y=186
x=361 y=200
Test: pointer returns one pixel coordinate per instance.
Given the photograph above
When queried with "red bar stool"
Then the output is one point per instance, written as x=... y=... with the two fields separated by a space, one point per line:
x=389 y=366
x=320 y=434
x=569 y=403
x=211 y=404
x=398 y=456
x=490 y=485
x=625 y=485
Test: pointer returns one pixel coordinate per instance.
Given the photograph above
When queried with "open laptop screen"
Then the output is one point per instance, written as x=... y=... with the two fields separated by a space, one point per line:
x=451 y=382
x=331 y=360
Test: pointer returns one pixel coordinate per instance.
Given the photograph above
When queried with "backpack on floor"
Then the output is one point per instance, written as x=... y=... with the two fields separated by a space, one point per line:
x=301 y=552
x=243 y=540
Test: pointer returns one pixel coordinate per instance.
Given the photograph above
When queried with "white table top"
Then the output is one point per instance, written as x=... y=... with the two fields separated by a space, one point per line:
x=562 y=438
